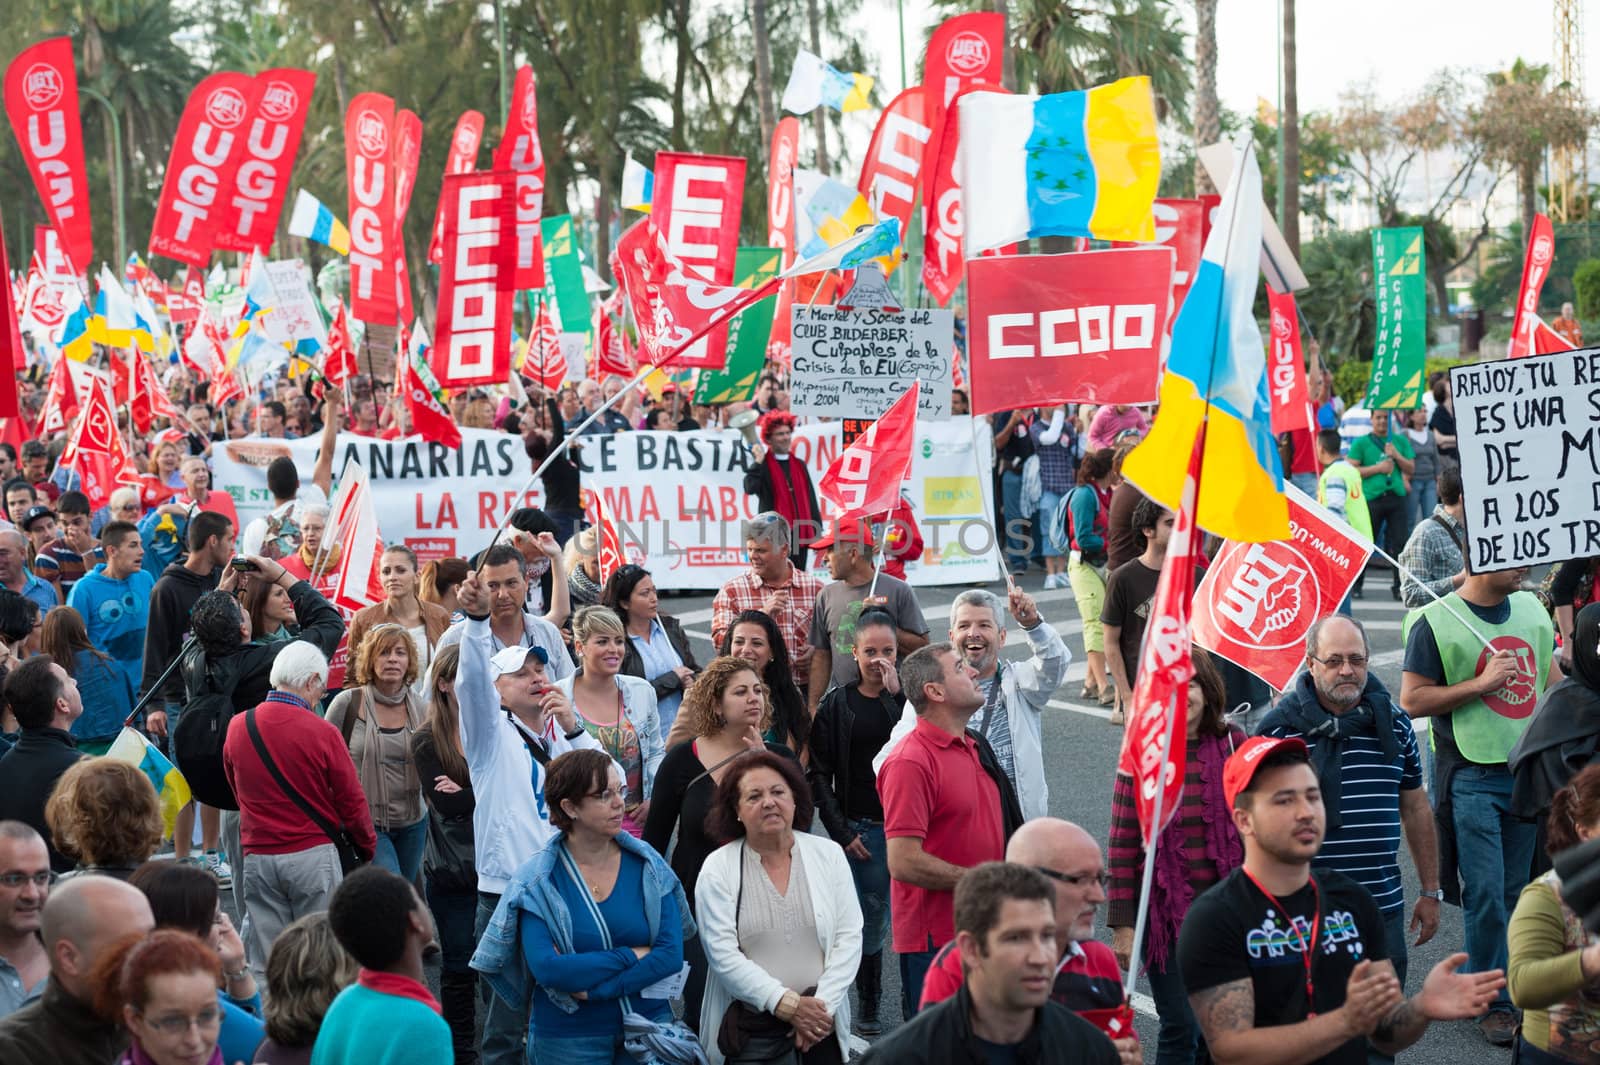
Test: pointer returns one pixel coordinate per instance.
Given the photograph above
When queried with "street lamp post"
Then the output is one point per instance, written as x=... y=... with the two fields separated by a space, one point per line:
x=116 y=177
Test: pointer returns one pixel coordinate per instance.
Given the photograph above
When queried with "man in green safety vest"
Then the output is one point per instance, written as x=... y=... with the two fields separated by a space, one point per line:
x=1476 y=663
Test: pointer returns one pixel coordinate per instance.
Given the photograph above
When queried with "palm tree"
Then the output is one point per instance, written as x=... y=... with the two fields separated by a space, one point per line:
x=1207 y=110
x=1520 y=119
x=1059 y=48
x=1289 y=124
x=764 y=101
x=819 y=117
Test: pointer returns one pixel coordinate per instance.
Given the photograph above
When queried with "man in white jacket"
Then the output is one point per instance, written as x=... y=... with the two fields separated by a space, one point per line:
x=514 y=720
x=1015 y=693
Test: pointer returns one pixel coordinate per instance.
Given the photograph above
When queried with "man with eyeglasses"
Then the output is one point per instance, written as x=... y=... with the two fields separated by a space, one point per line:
x=25 y=880
x=84 y=919
x=1086 y=979
x=1368 y=767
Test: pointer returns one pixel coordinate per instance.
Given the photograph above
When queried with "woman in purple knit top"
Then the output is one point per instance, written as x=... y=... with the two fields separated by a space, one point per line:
x=1198 y=848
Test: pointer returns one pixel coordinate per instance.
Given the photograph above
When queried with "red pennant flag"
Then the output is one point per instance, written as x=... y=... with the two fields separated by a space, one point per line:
x=519 y=151
x=1286 y=367
x=407 y=152
x=612 y=557
x=610 y=347
x=1547 y=341
x=463 y=159
x=122 y=379
x=13 y=356
x=60 y=400
x=1158 y=720
x=205 y=158
x=339 y=359
x=369 y=169
x=893 y=167
x=546 y=363
x=154 y=398
x=429 y=417
x=16 y=432
x=354 y=525
x=96 y=450
x=865 y=478
x=42 y=103
x=183 y=304
x=1535 y=269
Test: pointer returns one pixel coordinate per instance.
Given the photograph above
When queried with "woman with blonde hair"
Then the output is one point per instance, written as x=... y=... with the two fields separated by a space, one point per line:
x=306 y=970
x=107 y=692
x=423 y=621
x=440 y=579
x=377 y=718
x=449 y=868
x=727 y=707
x=106 y=814
x=582 y=559
x=619 y=711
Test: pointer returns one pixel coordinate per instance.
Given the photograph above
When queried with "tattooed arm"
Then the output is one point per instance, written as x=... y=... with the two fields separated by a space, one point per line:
x=1227 y=1017
x=1447 y=994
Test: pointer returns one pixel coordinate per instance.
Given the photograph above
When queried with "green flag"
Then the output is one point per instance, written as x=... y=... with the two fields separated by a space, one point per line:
x=1399 y=360
x=747 y=334
x=564 y=273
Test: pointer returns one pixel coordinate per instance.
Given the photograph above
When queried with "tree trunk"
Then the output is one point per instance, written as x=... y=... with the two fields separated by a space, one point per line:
x=764 y=103
x=1008 y=61
x=602 y=221
x=118 y=228
x=680 y=78
x=1528 y=191
x=1289 y=122
x=819 y=117
x=1207 y=115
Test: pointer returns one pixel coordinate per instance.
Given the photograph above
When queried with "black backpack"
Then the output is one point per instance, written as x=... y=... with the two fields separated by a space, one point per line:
x=202 y=728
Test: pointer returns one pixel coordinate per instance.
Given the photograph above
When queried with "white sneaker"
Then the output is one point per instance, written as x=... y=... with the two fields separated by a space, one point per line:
x=219 y=867
x=1052 y=581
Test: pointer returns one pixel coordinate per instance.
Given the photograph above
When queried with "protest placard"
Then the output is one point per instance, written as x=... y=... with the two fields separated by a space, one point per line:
x=295 y=317
x=855 y=364
x=1530 y=462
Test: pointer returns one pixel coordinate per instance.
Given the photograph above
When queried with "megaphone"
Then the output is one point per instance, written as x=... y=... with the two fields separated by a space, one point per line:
x=748 y=424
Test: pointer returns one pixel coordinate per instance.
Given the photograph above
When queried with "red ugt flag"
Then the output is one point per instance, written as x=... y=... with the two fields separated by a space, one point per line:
x=1535 y=268
x=611 y=554
x=1159 y=718
x=865 y=478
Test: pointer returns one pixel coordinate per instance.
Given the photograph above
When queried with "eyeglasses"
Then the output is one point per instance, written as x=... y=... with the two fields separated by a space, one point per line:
x=1338 y=661
x=1075 y=879
x=177 y=1024
x=608 y=796
x=16 y=880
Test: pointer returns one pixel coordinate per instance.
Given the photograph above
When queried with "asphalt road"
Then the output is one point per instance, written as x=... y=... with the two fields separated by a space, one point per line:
x=1081 y=746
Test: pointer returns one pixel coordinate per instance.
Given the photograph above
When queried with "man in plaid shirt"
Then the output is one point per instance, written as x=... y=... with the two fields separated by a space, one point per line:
x=774 y=586
x=1433 y=554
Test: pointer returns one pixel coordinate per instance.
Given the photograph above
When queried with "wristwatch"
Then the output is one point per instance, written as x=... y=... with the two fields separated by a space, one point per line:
x=1437 y=894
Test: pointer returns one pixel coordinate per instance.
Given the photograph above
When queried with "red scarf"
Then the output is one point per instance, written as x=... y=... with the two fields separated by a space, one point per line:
x=791 y=497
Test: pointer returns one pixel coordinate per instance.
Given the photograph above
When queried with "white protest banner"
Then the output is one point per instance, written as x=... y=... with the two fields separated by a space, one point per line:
x=294 y=316
x=437 y=501
x=855 y=364
x=677 y=499
x=1530 y=461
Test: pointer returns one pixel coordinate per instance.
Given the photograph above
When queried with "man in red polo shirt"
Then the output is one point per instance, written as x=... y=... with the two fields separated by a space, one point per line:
x=947 y=807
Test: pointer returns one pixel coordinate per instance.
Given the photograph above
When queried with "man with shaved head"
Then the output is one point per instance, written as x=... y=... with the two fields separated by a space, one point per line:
x=1087 y=981
x=83 y=919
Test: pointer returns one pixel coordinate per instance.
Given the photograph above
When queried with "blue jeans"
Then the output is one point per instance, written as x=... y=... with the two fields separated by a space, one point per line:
x=1495 y=852
x=1421 y=500
x=400 y=849
x=582 y=1050
x=454 y=916
x=1306 y=482
x=1179 y=1041
x=914 y=966
x=1394 y=935
x=872 y=885
x=1011 y=503
x=505 y=1024
x=1049 y=503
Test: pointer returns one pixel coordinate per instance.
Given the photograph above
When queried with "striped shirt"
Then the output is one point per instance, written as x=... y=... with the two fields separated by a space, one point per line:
x=1366 y=847
x=1126 y=850
x=999 y=731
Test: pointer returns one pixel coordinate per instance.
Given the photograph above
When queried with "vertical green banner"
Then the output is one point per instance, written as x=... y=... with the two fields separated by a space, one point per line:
x=1400 y=356
x=747 y=334
x=564 y=273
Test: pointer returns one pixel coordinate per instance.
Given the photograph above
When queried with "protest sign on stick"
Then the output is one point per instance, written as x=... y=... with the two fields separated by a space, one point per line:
x=854 y=364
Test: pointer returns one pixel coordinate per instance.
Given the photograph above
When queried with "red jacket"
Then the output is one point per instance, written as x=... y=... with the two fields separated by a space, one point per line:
x=311 y=754
x=904 y=541
x=1087 y=983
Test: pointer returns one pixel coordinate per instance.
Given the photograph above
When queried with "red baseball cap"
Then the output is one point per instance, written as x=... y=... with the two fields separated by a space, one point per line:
x=1242 y=764
x=852 y=529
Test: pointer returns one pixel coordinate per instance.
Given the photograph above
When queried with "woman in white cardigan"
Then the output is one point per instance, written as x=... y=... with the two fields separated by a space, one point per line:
x=617 y=710
x=780 y=924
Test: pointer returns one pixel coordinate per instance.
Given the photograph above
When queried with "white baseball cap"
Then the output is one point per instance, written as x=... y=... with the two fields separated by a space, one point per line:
x=511 y=659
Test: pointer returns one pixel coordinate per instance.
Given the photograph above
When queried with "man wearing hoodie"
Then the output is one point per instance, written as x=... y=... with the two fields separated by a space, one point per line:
x=171 y=603
x=114 y=599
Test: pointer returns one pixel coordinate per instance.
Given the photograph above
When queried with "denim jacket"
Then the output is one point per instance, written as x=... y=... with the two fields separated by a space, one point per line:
x=499 y=954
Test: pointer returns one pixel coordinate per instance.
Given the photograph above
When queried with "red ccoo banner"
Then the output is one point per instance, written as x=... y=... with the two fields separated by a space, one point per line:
x=1085 y=327
x=204 y=161
x=369 y=164
x=42 y=103
x=463 y=160
x=272 y=140
x=477 y=280
x=697 y=205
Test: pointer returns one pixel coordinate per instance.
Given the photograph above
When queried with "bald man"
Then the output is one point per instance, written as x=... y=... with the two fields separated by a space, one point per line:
x=84 y=918
x=1087 y=981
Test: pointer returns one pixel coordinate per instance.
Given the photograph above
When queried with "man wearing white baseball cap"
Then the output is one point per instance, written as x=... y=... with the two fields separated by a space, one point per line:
x=514 y=721
x=1289 y=968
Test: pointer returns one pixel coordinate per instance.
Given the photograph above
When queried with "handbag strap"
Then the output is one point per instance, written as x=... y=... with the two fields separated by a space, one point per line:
x=322 y=823
x=992 y=700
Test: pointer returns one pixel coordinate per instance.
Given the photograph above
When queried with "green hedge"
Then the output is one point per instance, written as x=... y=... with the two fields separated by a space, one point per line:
x=1586 y=285
x=1350 y=378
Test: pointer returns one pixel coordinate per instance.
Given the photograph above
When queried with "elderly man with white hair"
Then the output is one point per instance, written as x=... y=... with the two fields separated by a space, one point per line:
x=298 y=793
x=1015 y=693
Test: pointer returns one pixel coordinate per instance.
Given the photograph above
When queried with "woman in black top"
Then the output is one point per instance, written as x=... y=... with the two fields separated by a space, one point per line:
x=727 y=707
x=541 y=436
x=448 y=871
x=853 y=723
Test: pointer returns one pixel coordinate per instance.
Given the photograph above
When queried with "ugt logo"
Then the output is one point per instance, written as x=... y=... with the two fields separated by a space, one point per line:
x=1263 y=600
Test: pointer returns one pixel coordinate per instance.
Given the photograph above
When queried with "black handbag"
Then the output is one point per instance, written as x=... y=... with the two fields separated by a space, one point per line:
x=349 y=857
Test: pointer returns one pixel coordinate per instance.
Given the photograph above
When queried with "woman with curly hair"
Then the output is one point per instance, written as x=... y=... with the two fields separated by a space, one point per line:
x=755 y=637
x=105 y=814
x=780 y=481
x=377 y=719
x=727 y=708
x=305 y=972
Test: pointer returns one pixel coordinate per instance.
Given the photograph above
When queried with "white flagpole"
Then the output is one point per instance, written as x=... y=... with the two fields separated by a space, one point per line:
x=1132 y=978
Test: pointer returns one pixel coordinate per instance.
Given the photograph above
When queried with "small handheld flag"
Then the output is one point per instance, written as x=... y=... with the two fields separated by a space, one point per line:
x=172 y=789
x=312 y=219
x=814 y=83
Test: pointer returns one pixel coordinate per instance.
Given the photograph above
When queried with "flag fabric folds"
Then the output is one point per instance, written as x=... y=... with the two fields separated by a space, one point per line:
x=882 y=239
x=638 y=185
x=865 y=478
x=1216 y=384
x=116 y=323
x=1076 y=164
x=814 y=83
x=172 y=789
x=314 y=220
x=415 y=381
x=356 y=581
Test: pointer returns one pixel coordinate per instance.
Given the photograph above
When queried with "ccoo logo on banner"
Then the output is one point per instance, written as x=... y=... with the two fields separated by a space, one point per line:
x=1258 y=601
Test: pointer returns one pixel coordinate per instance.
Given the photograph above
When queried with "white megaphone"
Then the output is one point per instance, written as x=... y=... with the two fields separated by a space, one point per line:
x=748 y=424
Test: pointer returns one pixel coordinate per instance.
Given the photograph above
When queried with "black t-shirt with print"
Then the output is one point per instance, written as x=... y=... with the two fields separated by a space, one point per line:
x=1234 y=932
